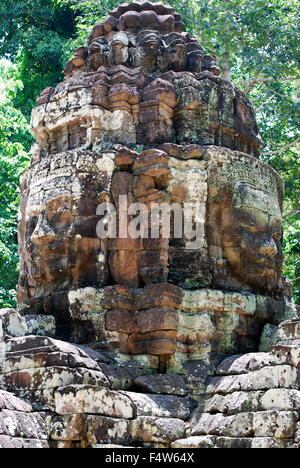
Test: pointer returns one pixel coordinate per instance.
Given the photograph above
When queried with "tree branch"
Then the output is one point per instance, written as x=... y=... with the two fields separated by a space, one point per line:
x=283 y=148
x=291 y=213
x=256 y=80
x=264 y=103
x=294 y=280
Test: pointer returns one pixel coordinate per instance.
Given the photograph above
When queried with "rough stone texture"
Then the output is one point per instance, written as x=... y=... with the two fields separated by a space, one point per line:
x=12 y=324
x=170 y=384
x=156 y=342
x=41 y=325
x=255 y=400
x=268 y=338
x=87 y=399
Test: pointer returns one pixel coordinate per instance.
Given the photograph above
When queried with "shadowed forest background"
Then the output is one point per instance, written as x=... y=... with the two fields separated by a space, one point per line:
x=256 y=44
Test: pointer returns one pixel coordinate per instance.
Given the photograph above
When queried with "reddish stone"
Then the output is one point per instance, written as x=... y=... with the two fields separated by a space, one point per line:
x=151 y=157
x=110 y=24
x=121 y=321
x=123 y=290
x=158 y=318
x=158 y=343
x=154 y=257
x=114 y=300
x=125 y=157
x=124 y=343
x=166 y=289
x=82 y=52
x=98 y=30
x=156 y=244
x=100 y=94
x=78 y=62
x=158 y=295
x=182 y=152
x=122 y=184
x=45 y=96
x=123 y=92
x=143 y=184
x=153 y=163
x=160 y=90
x=124 y=266
x=126 y=244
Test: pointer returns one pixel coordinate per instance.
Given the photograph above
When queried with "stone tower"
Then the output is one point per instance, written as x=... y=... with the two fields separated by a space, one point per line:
x=143 y=121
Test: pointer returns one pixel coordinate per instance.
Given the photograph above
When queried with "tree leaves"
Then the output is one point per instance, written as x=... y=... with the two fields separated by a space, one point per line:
x=14 y=137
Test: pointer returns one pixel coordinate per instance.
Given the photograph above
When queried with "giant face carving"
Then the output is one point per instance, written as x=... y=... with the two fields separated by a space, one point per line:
x=58 y=224
x=244 y=230
x=252 y=234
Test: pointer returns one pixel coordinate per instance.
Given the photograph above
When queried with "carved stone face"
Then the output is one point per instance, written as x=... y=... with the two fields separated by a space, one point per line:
x=119 y=46
x=174 y=55
x=251 y=237
x=62 y=247
x=99 y=54
x=58 y=227
x=146 y=53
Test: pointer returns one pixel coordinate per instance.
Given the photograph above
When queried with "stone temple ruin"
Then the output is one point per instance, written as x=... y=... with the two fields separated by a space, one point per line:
x=149 y=342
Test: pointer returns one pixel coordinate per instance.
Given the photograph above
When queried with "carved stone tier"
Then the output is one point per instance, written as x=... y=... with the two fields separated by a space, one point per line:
x=129 y=106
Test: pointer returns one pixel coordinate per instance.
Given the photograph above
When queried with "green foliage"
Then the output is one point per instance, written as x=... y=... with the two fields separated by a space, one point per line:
x=34 y=34
x=292 y=251
x=251 y=40
x=14 y=138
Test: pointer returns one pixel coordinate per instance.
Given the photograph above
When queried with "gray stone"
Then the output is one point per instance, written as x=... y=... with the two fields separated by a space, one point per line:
x=101 y=429
x=151 y=429
x=76 y=399
x=268 y=338
x=12 y=323
x=119 y=378
x=171 y=384
x=69 y=427
x=42 y=325
x=279 y=424
x=20 y=424
x=195 y=442
x=161 y=406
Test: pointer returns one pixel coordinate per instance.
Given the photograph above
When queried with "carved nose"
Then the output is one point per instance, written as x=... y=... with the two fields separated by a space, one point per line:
x=268 y=248
x=43 y=233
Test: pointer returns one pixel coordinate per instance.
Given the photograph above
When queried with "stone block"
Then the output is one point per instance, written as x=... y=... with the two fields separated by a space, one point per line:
x=42 y=325
x=286 y=354
x=268 y=338
x=21 y=424
x=66 y=428
x=12 y=323
x=281 y=399
x=279 y=424
x=160 y=406
x=151 y=429
x=101 y=429
x=171 y=384
x=194 y=442
x=289 y=330
x=78 y=399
